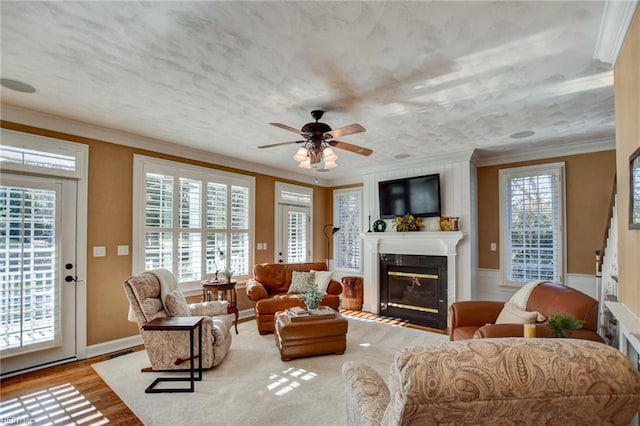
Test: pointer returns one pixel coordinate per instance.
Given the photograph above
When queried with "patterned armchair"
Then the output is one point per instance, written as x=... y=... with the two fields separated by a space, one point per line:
x=497 y=381
x=169 y=350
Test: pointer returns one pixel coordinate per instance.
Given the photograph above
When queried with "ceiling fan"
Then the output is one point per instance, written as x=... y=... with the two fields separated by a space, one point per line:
x=317 y=138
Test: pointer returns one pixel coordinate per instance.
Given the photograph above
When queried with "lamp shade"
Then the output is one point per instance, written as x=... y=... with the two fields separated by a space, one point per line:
x=301 y=154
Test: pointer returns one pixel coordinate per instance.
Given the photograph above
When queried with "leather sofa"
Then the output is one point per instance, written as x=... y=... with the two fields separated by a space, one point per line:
x=269 y=290
x=468 y=319
x=512 y=381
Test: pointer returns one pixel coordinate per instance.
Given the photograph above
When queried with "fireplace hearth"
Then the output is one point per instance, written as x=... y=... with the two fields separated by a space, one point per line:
x=414 y=288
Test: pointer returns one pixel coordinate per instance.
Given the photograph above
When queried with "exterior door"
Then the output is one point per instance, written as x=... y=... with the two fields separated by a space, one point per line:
x=295 y=235
x=38 y=250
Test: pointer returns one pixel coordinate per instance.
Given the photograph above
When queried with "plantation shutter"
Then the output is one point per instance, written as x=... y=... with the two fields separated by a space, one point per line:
x=533 y=208
x=296 y=236
x=347 y=216
x=239 y=262
x=195 y=226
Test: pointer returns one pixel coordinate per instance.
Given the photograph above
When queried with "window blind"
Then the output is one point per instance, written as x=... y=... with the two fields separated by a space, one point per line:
x=195 y=222
x=347 y=216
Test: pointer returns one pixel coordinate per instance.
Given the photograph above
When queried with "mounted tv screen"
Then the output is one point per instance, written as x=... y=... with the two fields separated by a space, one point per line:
x=419 y=196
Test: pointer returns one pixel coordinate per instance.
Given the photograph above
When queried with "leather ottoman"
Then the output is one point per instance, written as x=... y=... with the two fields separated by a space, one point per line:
x=310 y=337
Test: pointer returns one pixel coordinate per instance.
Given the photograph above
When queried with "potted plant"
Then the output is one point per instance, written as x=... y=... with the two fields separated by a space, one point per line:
x=226 y=276
x=562 y=324
x=311 y=297
x=407 y=223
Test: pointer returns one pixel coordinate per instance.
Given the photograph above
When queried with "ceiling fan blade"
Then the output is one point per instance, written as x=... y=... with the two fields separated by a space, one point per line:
x=346 y=130
x=350 y=147
x=281 y=143
x=289 y=128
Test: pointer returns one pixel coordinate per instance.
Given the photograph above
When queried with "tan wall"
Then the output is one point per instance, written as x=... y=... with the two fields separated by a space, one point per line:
x=110 y=224
x=589 y=181
x=627 y=106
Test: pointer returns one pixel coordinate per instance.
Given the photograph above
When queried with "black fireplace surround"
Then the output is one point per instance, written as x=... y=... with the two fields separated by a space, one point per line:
x=414 y=288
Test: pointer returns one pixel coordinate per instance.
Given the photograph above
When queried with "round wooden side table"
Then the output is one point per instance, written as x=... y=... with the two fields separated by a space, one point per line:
x=216 y=290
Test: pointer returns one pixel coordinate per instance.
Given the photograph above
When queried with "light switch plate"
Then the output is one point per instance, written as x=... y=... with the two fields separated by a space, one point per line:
x=123 y=250
x=493 y=247
x=99 y=251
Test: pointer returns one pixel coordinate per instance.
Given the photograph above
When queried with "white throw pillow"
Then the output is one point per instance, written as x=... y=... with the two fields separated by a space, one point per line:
x=300 y=281
x=511 y=314
x=322 y=279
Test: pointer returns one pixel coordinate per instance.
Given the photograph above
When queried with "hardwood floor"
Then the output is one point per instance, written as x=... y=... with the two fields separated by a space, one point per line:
x=65 y=394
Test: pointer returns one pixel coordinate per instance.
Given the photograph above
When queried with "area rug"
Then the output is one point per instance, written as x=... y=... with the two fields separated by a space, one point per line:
x=252 y=386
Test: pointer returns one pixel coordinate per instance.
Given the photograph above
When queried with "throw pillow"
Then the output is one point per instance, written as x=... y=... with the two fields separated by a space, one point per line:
x=176 y=305
x=511 y=314
x=300 y=281
x=322 y=279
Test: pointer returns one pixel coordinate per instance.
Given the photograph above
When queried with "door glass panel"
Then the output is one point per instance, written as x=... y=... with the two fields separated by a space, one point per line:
x=296 y=237
x=29 y=296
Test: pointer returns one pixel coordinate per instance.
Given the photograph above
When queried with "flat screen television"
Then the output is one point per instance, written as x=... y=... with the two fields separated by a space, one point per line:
x=418 y=195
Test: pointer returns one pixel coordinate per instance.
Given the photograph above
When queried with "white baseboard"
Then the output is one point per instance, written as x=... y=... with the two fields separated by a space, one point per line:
x=129 y=342
x=113 y=346
x=489 y=282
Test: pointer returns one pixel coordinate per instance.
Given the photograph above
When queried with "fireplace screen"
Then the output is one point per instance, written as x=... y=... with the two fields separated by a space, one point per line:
x=414 y=288
x=414 y=291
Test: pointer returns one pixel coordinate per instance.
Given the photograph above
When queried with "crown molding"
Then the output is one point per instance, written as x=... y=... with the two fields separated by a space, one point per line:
x=433 y=160
x=484 y=158
x=616 y=19
x=28 y=117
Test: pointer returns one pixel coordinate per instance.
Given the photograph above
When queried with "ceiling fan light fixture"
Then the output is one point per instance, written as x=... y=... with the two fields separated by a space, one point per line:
x=329 y=155
x=305 y=164
x=301 y=154
x=330 y=164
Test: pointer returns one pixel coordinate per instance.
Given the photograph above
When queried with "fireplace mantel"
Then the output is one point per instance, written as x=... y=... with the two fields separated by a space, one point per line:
x=421 y=243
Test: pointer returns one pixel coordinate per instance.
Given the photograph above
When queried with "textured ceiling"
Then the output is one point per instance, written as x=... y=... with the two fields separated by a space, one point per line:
x=424 y=78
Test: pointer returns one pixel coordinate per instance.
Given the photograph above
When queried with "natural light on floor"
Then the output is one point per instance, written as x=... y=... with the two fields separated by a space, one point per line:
x=62 y=404
x=289 y=380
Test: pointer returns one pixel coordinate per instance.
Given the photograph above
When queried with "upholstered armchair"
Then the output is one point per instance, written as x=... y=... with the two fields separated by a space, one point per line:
x=169 y=350
x=496 y=381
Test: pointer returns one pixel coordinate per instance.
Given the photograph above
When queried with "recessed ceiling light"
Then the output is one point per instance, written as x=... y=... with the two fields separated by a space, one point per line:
x=523 y=134
x=401 y=156
x=16 y=85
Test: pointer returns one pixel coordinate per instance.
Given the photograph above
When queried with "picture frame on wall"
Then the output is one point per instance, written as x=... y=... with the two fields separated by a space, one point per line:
x=634 y=190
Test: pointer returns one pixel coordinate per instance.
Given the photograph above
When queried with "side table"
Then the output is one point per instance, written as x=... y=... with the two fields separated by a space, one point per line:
x=179 y=324
x=227 y=291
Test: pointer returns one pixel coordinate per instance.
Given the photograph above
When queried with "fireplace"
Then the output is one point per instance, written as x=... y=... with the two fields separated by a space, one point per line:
x=414 y=288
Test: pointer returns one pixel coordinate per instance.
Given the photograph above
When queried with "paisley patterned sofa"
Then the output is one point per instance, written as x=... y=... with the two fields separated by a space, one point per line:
x=497 y=381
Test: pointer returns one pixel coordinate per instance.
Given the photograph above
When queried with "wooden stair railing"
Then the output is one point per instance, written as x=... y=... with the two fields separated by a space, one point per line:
x=603 y=246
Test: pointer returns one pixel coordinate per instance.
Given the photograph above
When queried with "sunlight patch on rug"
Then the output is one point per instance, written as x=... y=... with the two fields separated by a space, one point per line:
x=62 y=404
x=282 y=385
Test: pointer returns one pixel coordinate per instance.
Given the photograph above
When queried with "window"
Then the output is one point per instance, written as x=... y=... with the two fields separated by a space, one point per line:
x=191 y=220
x=347 y=215
x=532 y=223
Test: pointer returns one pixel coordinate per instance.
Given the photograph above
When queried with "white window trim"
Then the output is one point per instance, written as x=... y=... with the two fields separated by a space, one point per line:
x=42 y=143
x=343 y=192
x=81 y=175
x=505 y=174
x=143 y=164
x=279 y=188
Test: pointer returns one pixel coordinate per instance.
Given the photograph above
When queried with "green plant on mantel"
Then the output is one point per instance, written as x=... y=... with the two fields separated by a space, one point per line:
x=311 y=297
x=563 y=324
